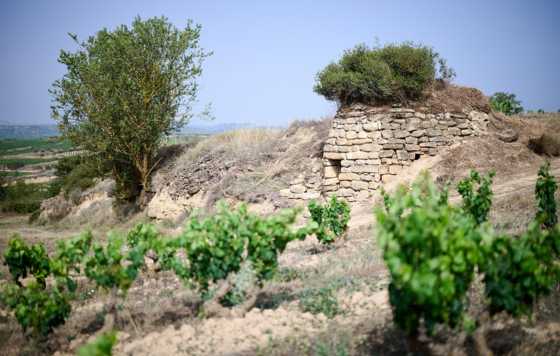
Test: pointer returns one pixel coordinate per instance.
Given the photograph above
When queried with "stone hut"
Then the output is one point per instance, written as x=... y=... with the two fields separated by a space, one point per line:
x=368 y=145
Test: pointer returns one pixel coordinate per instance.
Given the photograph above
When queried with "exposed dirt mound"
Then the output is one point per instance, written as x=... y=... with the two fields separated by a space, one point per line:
x=455 y=99
x=547 y=144
x=250 y=165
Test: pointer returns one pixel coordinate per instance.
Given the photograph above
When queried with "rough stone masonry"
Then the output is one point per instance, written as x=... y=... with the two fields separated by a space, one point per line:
x=367 y=146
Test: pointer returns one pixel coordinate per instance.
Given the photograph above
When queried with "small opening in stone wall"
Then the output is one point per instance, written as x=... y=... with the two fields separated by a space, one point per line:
x=336 y=165
x=417 y=156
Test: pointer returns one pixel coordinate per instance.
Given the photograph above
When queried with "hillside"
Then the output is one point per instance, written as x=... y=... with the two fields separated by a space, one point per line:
x=347 y=282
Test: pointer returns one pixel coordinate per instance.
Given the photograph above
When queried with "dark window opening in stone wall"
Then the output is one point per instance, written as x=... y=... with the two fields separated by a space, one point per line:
x=336 y=164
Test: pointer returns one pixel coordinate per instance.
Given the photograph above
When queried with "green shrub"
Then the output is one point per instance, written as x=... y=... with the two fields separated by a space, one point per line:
x=505 y=103
x=102 y=346
x=23 y=260
x=24 y=198
x=517 y=271
x=431 y=250
x=332 y=219
x=322 y=300
x=219 y=245
x=37 y=306
x=394 y=73
x=545 y=190
x=77 y=172
x=477 y=203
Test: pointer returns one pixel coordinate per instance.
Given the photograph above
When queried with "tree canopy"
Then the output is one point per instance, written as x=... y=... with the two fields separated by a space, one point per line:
x=124 y=90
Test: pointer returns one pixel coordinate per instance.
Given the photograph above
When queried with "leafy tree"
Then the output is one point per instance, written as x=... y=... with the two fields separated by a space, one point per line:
x=124 y=90
x=477 y=203
x=545 y=190
x=505 y=103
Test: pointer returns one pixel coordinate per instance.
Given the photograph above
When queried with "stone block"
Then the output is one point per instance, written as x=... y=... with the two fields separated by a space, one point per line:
x=359 y=141
x=365 y=169
x=298 y=188
x=467 y=132
x=386 y=153
x=357 y=155
x=411 y=140
x=351 y=135
x=392 y=146
x=412 y=147
x=346 y=184
x=433 y=132
x=373 y=126
x=345 y=192
x=403 y=155
x=455 y=131
x=330 y=172
x=333 y=155
x=387 y=134
x=348 y=176
x=359 y=185
x=418 y=133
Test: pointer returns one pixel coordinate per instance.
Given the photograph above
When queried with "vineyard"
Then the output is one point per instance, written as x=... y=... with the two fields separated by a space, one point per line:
x=435 y=253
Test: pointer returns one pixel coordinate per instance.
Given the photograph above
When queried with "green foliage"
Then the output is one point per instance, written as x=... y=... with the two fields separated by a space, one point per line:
x=17 y=163
x=102 y=346
x=24 y=198
x=110 y=268
x=218 y=245
x=477 y=203
x=545 y=190
x=517 y=271
x=36 y=308
x=505 y=103
x=23 y=260
x=209 y=250
x=332 y=219
x=322 y=300
x=125 y=90
x=393 y=73
x=431 y=250
x=77 y=172
x=19 y=146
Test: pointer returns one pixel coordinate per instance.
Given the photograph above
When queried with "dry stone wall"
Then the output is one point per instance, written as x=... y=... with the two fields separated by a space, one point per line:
x=367 y=146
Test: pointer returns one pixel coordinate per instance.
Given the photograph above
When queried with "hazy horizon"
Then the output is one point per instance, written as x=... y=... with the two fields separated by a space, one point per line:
x=266 y=54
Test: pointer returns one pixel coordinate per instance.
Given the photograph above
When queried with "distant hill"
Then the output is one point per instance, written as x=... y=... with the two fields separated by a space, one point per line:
x=8 y=130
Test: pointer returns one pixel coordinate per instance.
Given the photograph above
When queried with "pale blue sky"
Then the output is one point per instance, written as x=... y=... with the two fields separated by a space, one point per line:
x=266 y=54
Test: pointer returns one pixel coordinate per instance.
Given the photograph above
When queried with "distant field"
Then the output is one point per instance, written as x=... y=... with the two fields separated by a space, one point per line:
x=15 y=163
x=13 y=174
x=17 y=146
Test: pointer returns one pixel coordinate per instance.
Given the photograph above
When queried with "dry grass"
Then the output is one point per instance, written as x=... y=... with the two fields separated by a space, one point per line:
x=237 y=144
